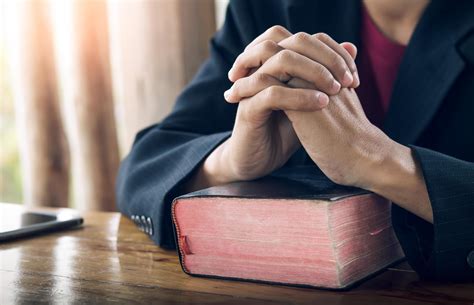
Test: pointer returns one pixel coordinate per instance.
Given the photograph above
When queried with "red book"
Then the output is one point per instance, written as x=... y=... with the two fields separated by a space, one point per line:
x=285 y=231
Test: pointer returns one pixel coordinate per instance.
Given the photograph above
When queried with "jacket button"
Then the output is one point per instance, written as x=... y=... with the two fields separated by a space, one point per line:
x=470 y=259
x=143 y=222
x=150 y=226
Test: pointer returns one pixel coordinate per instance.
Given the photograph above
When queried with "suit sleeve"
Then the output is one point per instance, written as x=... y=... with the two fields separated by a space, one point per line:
x=163 y=156
x=443 y=250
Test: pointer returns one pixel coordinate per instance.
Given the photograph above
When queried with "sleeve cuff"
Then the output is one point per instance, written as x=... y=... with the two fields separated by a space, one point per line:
x=441 y=250
x=148 y=184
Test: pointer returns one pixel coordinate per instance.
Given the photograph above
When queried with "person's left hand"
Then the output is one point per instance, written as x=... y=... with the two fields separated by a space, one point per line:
x=352 y=151
x=342 y=141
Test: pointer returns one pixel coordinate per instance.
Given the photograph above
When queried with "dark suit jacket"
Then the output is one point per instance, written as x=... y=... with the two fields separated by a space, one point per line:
x=432 y=110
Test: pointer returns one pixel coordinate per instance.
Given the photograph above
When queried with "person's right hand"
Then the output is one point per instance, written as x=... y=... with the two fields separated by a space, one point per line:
x=263 y=138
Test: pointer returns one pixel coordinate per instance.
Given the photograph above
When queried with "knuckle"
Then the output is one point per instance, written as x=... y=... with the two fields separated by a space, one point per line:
x=272 y=93
x=277 y=30
x=324 y=75
x=269 y=45
x=260 y=78
x=320 y=71
x=284 y=56
x=338 y=63
x=301 y=37
x=322 y=36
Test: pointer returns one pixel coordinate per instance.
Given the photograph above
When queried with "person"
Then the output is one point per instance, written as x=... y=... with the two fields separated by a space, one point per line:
x=378 y=94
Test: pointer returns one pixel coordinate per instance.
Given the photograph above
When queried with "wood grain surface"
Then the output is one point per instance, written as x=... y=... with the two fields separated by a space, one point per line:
x=109 y=260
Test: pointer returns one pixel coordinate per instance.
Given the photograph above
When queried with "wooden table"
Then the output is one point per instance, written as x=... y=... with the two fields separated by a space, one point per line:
x=110 y=261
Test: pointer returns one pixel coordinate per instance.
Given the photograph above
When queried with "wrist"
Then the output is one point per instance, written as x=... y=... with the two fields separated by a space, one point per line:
x=382 y=163
x=371 y=156
x=400 y=179
x=395 y=170
x=392 y=162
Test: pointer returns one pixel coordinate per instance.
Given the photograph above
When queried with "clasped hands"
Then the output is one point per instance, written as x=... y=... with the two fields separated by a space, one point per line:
x=298 y=89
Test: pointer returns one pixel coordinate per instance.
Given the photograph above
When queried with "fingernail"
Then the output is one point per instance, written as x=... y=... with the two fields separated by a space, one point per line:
x=356 y=79
x=335 y=87
x=323 y=99
x=347 y=79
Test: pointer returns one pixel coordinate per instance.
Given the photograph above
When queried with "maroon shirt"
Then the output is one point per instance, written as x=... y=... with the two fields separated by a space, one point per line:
x=377 y=62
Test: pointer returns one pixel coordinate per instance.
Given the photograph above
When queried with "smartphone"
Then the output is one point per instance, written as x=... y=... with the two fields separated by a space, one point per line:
x=15 y=225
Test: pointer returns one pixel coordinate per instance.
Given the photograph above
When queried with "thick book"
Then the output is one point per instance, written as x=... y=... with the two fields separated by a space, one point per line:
x=288 y=231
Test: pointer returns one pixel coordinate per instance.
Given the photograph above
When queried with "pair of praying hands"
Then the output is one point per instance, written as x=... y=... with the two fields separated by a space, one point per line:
x=298 y=89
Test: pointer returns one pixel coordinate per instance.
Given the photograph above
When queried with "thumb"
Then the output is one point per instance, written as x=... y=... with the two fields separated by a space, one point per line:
x=351 y=48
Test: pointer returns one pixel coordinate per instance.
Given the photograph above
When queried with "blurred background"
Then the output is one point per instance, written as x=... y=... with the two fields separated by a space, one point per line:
x=79 y=78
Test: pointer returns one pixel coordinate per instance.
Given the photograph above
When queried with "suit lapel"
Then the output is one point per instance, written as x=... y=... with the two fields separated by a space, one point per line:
x=429 y=68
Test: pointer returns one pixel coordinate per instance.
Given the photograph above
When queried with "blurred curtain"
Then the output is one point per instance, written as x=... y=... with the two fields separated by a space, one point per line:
x=86 y=75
